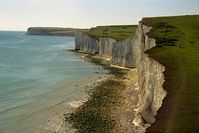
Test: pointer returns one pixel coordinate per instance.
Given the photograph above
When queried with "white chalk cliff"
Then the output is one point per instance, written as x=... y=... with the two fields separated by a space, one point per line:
x=131 y=53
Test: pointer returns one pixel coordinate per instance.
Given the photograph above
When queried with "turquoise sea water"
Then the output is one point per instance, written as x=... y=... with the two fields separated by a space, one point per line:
x=37 y=75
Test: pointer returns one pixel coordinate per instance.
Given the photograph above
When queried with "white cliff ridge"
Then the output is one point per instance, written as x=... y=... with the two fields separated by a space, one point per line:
x=131 y=53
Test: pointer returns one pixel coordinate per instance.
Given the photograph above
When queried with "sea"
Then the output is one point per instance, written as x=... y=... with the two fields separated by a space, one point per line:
x=39 y=81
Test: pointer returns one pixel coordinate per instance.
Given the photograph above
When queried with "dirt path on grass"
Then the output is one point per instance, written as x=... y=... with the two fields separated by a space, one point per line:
x=181 y=86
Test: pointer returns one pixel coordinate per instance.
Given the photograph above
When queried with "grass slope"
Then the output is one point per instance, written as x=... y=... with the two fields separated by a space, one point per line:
x=178 y=50
x=52 y=31
x=116 y=32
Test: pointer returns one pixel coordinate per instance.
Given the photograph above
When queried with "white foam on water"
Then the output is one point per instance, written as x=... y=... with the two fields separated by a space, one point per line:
x=76 y=104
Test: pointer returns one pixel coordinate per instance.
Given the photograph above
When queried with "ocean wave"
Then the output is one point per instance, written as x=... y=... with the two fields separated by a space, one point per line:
x=5 y=108
x=59 y=46
x=17 y=48
x=3 y=65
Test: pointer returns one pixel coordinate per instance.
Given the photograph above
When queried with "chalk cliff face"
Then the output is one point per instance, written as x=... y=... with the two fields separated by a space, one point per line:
x=151 y=77
x=131 y=53
x=85 y=43
x=106 y=46
x=123 y=54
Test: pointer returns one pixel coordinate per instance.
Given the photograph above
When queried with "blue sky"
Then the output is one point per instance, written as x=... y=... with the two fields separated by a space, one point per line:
x=21 y=14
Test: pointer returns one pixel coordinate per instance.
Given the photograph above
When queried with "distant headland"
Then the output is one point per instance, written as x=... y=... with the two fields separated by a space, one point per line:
x=52 y=31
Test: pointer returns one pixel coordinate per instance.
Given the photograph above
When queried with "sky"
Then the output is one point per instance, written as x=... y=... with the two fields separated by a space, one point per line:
x=21 y=14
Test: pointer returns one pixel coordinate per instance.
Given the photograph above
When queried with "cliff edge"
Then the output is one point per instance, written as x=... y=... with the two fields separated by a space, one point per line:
x=165 y=52
x=131 y=53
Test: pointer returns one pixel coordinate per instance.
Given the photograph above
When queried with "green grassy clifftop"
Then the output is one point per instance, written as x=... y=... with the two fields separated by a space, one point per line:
x=118 y=32
x=177 y=49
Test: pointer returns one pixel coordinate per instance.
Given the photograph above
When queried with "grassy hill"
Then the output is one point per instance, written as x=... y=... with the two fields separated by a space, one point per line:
x=118 y=32
x=52 y=31
x=178 y=50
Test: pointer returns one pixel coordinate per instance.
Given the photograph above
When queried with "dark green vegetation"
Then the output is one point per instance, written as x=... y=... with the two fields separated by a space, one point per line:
x=178 y=50
x=51 y=31
x=94 y=116
x=115 y=32
x=165 y=34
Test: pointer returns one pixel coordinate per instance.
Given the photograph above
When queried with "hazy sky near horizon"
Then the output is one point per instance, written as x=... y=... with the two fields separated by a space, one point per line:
x=21 y=14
